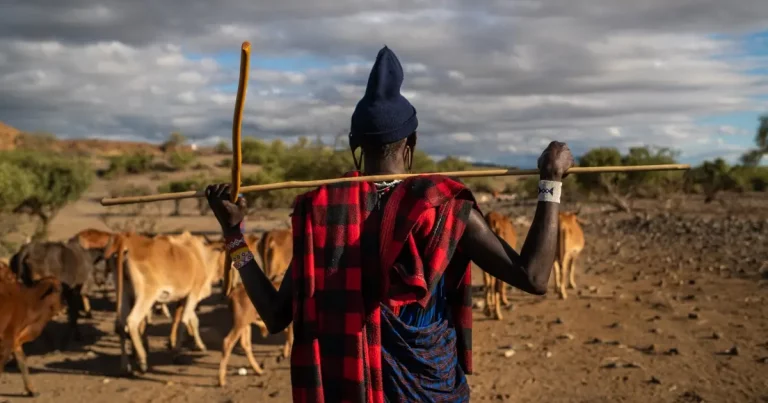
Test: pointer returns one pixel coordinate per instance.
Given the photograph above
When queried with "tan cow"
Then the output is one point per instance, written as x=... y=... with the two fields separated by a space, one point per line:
x=243 y=316
x=24 y=312
x=161 y=269
x=570 y=243
x=495 y=289
x=214 y=262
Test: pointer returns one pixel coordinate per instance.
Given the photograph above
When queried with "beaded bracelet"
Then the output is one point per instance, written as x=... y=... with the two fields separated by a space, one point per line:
x=238 y=250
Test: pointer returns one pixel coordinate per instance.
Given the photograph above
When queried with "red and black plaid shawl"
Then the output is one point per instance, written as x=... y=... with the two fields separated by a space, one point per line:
x=341 y=243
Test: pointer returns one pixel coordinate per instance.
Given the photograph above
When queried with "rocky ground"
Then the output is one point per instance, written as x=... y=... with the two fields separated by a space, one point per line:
x=670 y=307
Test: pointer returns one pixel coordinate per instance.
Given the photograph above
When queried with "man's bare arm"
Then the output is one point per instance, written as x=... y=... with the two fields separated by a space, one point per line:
x=274 y=306
x=529 y=270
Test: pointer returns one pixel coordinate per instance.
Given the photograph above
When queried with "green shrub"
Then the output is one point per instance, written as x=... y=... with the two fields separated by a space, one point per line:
x=179 y=159
x=52 y=181
x=133 y=163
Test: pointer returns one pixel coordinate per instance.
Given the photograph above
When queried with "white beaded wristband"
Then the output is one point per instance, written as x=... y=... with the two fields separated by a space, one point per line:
x=549 y=191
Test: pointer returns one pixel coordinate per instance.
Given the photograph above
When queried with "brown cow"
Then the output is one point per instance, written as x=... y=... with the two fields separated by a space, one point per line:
x=161 y=269
x=68 y=262
x=495 y=290
x=24 y=312
x=570 y=243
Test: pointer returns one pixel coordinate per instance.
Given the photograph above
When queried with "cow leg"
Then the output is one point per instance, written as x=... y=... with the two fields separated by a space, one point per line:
x=137 y=315
x=5 y=355
x=488 y=280
x=498 y=290
x=189 y=317
x=572 y=270
x=288 y=342
x=86 y=307
x=173 y=339
x=73 y=300
x=226 y=351
x=164 y=309
x=21 y=362
x=556 y=268
x=120 y=329
x=503 y=288
x=245 y=343
x=564 y=266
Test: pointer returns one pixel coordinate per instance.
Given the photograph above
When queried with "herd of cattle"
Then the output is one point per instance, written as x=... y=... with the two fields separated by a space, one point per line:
x=150 y=271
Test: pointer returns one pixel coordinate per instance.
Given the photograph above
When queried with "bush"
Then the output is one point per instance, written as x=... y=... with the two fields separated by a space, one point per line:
x=175 y=141
x=194 y=183
x=619 y=188
x=134 y=163
x=52 y=181
x=16 y=185
x=179 y=159
x=222 y=147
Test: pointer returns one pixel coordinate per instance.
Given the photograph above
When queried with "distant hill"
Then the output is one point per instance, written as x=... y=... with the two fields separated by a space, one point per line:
x=11 y=138
x=8 y=136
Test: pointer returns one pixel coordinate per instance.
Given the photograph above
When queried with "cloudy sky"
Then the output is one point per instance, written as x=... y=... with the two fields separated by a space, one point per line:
x=492 y=80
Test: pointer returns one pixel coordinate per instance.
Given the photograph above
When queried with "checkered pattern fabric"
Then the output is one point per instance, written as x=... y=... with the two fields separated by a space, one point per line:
x=341 y=243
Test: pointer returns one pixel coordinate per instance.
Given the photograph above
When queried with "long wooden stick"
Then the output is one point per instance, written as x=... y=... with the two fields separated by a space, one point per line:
x=378 y=178
x=237 y=121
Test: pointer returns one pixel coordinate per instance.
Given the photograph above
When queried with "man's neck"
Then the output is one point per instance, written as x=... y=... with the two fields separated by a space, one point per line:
x=383 y=168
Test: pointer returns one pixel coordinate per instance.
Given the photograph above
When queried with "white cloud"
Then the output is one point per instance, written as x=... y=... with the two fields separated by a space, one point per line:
x=493 y=81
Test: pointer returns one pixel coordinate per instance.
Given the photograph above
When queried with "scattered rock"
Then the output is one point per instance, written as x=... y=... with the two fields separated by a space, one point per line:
x=509 y=353
x=717 y=335
x=654 y=380
x=566 y=336
x=274 y=394
x=105 y=381
x=594 y=340
x=614 y=325
x=693 y=315
x=657 y=331
x=558 y=321
x=732 y=351
x=672 y=351
x=548 y=354
x=242 y=371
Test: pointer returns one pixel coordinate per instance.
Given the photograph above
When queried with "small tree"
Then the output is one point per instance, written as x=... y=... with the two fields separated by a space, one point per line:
x=133 y=163
x=55 y=180
x=175 y=141
x=752 y=157
x=607 y=184
x=711 y=177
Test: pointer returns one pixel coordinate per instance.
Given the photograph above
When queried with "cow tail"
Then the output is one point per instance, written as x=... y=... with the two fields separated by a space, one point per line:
x=120 y=247
x=19 y=265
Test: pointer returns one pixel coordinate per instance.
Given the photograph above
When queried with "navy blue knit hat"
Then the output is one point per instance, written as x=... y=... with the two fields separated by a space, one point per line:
x=383 y=116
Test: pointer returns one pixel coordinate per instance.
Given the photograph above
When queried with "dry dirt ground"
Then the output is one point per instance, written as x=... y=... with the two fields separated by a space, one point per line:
x=670 y=307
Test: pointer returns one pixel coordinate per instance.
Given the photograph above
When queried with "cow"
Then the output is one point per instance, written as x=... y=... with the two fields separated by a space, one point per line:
x=214 y=261
x=95 y=242
x=68 y=262
x=570 y=243
x=243 y=316
x=495 y=290
x=24 y=312
x=162 y=269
